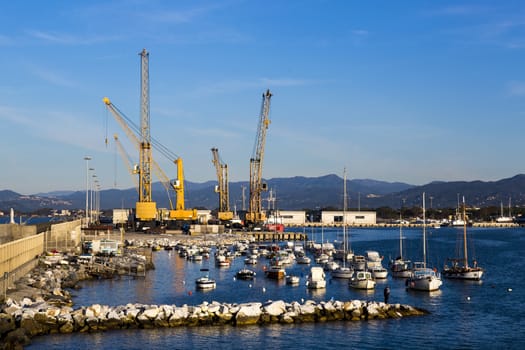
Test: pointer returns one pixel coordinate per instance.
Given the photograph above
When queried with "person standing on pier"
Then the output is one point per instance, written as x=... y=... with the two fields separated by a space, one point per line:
x=386 y=294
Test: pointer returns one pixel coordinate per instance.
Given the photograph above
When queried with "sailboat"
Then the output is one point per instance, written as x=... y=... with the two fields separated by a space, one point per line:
x=460 y=268
x=400 y=267
x=424 y=278
x=343 y=271
x=505 y=219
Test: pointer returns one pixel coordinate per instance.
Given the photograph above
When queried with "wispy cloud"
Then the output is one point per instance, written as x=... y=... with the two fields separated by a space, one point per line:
x=68 y=39
x=53 y=77
x=360 y=32
x=490 y=25
x=285 y=82
x=57 y=126
x=516 y=88
x=180 y=16
x=459 y=10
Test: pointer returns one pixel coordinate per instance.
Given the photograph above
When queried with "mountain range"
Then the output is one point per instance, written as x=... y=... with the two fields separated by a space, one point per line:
x=295 y=193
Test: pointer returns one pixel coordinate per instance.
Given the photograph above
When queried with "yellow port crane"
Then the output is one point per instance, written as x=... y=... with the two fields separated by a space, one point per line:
x=178 y=212
x=255 y=215
x=146 y=209
x=222 y=188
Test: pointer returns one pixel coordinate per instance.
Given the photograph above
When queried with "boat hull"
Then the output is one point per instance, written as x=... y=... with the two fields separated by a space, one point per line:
x=317 y=284
x=468 y=273
x=293 y=280
x=362 y=280
x=276 y=273
x=380 y=273
x=342 y=272
x=363 y=284
x=205 y=284
x=246 y=274
x=425 y=280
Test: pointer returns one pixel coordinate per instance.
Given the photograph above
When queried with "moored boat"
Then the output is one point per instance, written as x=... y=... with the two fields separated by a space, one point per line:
x=303 y=259
x=245 y=274
x=276 y=272
x=205 y=282
x=400 y=267
x=293 y=280
x=424 y=278
x=460 y=269
x=362 y=280
x=316 y=278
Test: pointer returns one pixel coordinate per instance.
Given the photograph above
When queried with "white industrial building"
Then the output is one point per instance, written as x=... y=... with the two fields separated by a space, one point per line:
x=288 y=217
x=351 y=218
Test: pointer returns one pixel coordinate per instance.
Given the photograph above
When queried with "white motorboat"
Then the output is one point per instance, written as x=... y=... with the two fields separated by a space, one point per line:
x=205 y=282
x=424 y=278
x=251 y=260
x=222 y=261
x=293 y=280
x=330 y=265
x=316 y=278
x=460 y=269
x=303 y=259
x=362 y=280
x=374 y=265
x=359 y=262
x=245 y=274
x=379 y=272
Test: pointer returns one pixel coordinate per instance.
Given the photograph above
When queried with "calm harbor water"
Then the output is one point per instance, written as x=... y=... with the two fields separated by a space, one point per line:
x=466 y=315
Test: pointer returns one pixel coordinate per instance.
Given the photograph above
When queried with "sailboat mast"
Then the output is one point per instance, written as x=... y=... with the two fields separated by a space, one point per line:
x=401 y=233
x=424 y=234
x=465 y=233
x=344 y=217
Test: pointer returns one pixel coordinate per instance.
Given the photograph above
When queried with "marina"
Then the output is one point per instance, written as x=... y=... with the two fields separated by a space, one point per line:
x=487 y=308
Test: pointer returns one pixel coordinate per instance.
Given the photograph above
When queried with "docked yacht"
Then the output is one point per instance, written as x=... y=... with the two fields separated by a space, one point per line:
x=362 y=280
x=316 y=278
x=205 y=282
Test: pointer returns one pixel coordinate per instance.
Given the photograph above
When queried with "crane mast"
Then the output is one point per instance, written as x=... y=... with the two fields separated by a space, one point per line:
x=146 y=208
x=222 y=188
x=255 y=214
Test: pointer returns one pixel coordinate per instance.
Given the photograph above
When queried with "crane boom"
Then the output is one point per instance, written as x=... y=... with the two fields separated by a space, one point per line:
x=133 y=170
x=255 y=214
x=222 y=188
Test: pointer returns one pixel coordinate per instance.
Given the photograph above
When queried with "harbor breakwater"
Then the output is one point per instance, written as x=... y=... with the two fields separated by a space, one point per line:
x=42 y=304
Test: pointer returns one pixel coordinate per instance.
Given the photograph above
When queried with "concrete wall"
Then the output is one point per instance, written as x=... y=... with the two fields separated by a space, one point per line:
x=65 y=236
x=12 y=232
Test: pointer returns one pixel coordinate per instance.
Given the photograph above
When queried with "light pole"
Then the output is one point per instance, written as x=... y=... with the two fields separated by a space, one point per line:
x=87 y=159
x=97 y=186
x=91 y=188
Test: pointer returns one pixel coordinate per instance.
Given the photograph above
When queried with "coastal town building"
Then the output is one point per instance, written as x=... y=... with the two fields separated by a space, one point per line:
x=351 y=218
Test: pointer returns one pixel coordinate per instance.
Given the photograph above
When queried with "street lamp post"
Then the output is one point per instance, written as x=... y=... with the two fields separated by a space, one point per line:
x=91 y=186
x=87 y=159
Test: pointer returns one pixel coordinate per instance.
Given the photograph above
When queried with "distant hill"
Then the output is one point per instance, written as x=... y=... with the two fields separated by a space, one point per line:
x=296 y=193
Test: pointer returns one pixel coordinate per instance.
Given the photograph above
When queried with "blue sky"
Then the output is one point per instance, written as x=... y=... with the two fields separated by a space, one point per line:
x=410 y=91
